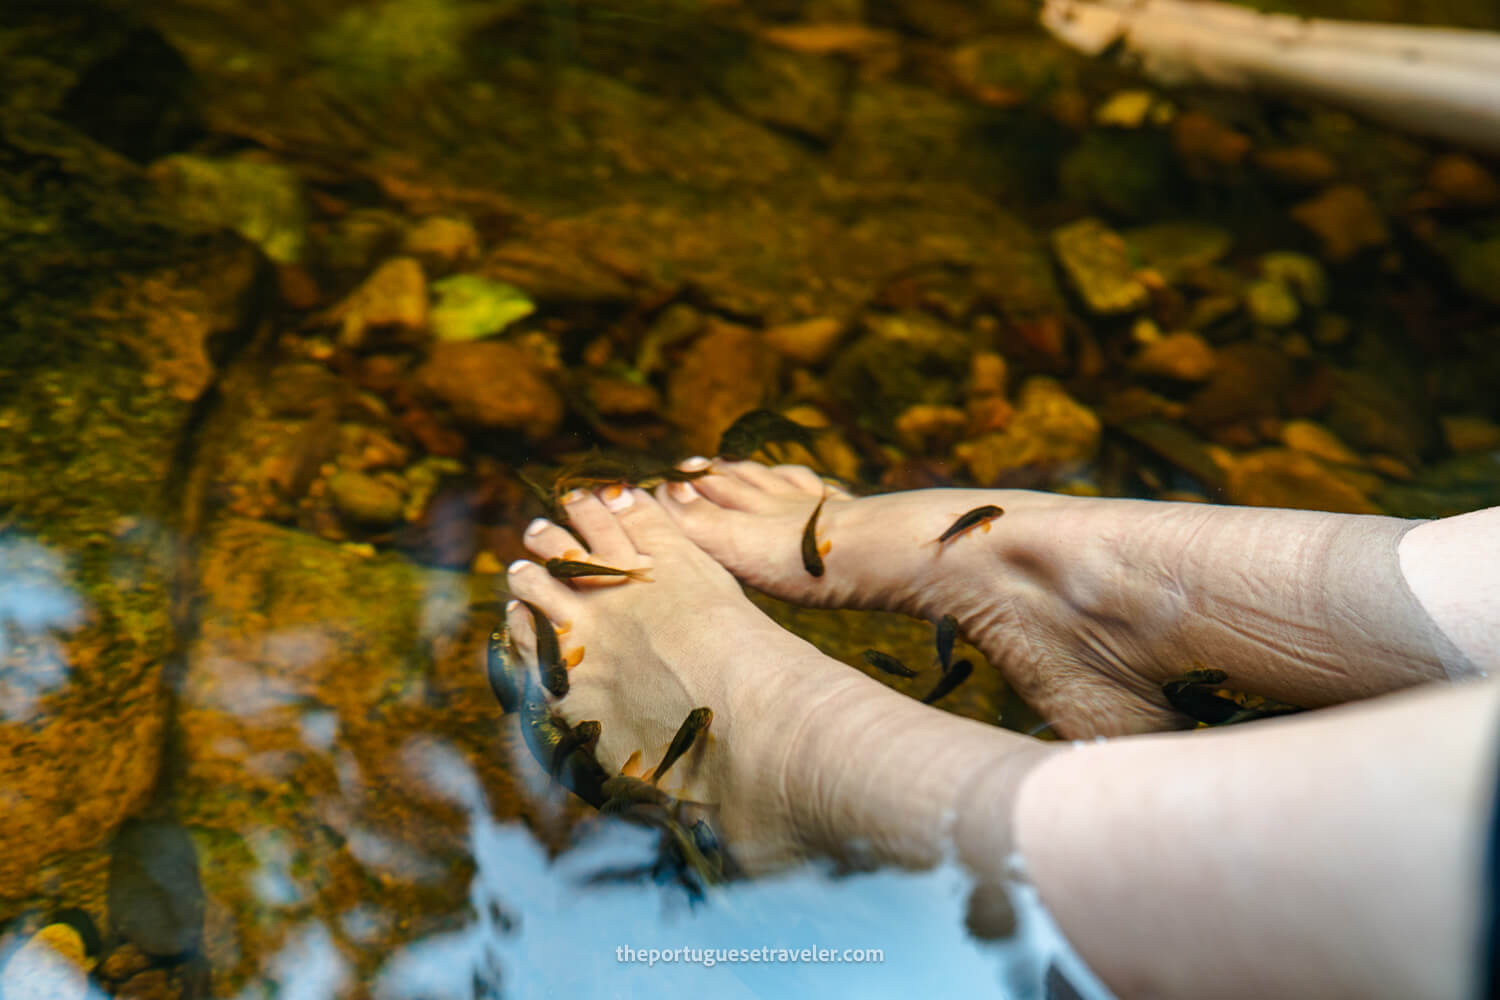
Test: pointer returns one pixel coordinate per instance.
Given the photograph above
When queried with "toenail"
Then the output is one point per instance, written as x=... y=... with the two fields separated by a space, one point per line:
x=512 y=607
x=693 y=464
x=519 y=565
x=683 y=492
x=573 y=496
x=618 y=502
x=538 y=526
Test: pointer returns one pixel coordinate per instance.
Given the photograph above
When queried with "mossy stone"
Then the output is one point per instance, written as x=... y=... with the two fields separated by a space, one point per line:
x=901 y=361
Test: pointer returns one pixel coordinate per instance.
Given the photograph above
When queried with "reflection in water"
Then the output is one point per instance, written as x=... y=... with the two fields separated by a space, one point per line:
x=34 y=599
x=535 y=932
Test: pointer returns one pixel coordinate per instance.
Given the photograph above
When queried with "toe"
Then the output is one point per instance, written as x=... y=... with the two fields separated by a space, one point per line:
x=546 y=540
x=761 y=476
x=649 y=527
x=607 y=540
x=532 y=583
x=730 y=487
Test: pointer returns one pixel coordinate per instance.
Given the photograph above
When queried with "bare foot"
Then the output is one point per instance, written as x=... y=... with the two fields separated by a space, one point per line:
x=1060 y=629
x=804 y=755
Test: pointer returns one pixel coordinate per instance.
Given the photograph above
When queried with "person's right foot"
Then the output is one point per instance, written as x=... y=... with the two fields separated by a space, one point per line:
x=1063 y=638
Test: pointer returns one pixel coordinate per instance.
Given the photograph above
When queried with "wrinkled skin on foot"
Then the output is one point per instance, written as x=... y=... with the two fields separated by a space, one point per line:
x=1037 y=592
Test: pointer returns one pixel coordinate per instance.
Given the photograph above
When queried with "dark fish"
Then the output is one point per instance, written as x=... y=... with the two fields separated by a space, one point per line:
x=156 y=899
x=953 y=678
x=588 y=733
x=887 y=663
x=584 y=736
x=572 y=569
x=947 y=632
x=758 y=428
x=503 y=672
x=622 y=792
x=597 y=471
x=969 y=521
x=812 y=551
x=559 y=751
x=548 y=652
x=696 y=722
x=1197 y=695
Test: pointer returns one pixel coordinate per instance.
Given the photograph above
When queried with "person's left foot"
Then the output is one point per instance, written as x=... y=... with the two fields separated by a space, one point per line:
x=689 y=638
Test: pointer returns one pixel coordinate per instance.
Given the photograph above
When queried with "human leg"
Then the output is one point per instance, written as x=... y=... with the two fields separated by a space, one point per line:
x=1088 y=605
x=1337 y=853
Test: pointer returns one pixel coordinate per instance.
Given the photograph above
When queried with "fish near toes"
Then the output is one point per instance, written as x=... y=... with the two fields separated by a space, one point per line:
x=950 y=680
x=967 y=522
x=813 y=551
x=697 y=721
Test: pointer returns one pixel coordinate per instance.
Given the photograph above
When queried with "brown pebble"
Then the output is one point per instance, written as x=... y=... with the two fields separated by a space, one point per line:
x=1296 y=166
x=1344 y=220
x=1462 y=182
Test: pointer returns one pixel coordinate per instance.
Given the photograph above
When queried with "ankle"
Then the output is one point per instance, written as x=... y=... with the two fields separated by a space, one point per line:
x=875 y=777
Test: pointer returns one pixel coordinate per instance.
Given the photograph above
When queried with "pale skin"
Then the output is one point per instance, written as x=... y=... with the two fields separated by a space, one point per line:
x=1329 y=854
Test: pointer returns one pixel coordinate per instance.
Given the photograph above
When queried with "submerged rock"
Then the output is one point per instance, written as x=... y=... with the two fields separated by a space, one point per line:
x=1182 y=355
x=1097 y=262
x=901 y=361
x=1461 y=182
x=809 y=342
x=1299 y=272
x=1344 y=220
x=1173 y=249
x=1476 y=267
x=392 y=300
x=441 y=240
x=492 y=384
x=796 y=91
x=365 y=499
x=1247 y=383
x=724 y=374
x=1271 y=303
x=469 y=307
x=1466 y=434
x=1296 y=166
x=1051 y=434
x=1284 y=478
x=263 y=202
x=1375 y=413
x=1318 y=441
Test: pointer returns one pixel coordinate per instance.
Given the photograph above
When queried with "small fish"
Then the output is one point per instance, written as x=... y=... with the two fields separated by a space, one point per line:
x=754 y=430
x=548 y=652
x=558 y=749
x=950 y=680
x=572 y=569
x=503 y=671
x=696 y=722
x=584 y=736
x=967 y=522
x=1196 y=695
x=947 y=632
x=812 y=550
x=887 y=663
x=588 y=733
x=623 y=791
